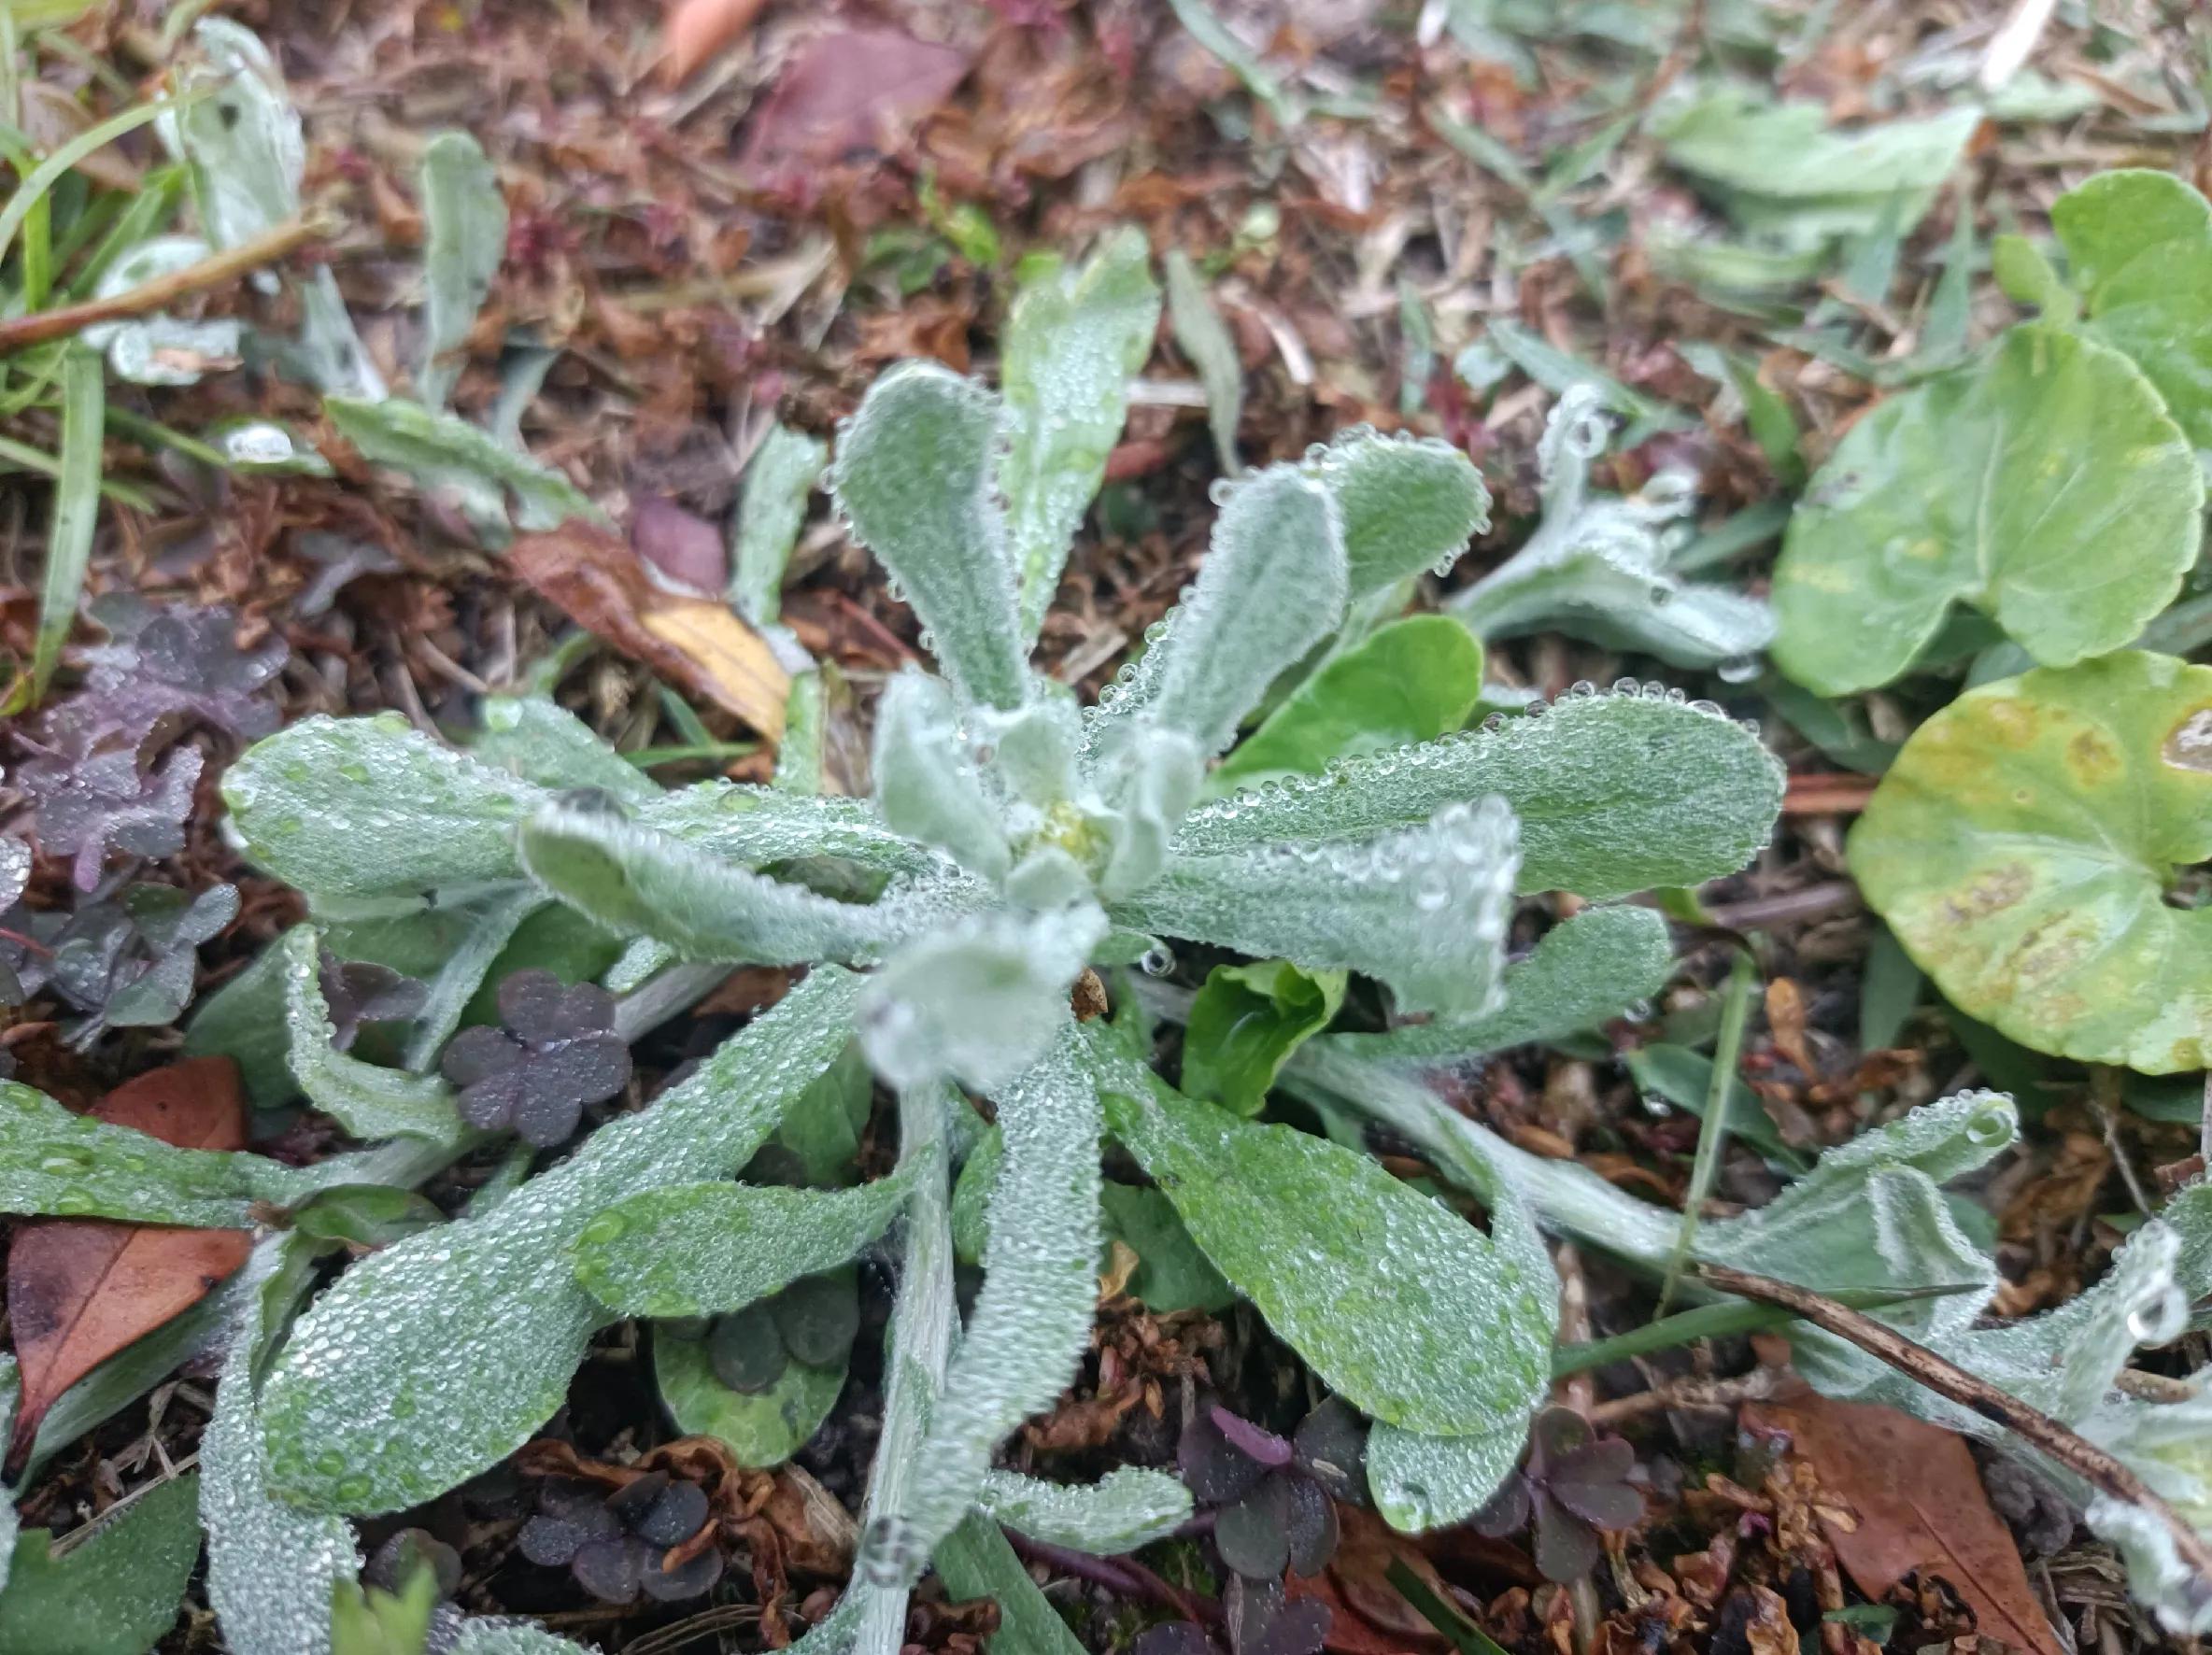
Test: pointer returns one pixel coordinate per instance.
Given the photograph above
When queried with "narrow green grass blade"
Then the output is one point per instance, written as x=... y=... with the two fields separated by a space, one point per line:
x=51 y=171
x=1712 y=1138
x=76 y=509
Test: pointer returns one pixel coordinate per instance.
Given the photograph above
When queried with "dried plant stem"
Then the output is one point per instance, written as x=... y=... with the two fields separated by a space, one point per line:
x=278 y=241
x=2091 y=1463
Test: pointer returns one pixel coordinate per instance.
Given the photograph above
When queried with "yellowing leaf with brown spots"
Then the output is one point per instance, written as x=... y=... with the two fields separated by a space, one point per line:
x=2029 y=845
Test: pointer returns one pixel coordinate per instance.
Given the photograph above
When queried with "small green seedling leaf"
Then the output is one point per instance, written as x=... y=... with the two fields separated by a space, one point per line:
x=915 y=477
x=1413 y=681
x=1614 y=793
x=780 y=478
x=926 y=784
x=1244 y=1025
x=2022 y=847
x=432 y=1359
x=2139 y=249
x=2044 y=485
x=1205 y=339
x=465 y=230
x=378 y=1622
x=114 y=1593
x=1272 y=585
x=1074 y=338
x=763 y=1429
x=371 y=807
x=1466 y=1349
x=1409 y=504
x=1171 y=1273
x=1421 y=909
x=1586 y=970
x=703 y=1249
x=368 y=1101
x=1128 y=1507
x=446 y=455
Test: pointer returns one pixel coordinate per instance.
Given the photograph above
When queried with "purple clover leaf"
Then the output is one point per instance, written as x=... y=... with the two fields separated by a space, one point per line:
x=1574 y=1484
x=358 y=992
x=558 y=1052
x=1275 y=1496
x=131 y=960
x=617 y=1544
x=91 y=807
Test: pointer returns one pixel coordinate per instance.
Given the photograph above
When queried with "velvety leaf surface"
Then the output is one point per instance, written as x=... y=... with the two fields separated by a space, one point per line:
x=369 y=1101
x=1466 y=1345
x=445 y=452
x=1407 y=504
x=115 y=1593
x=2044 y=485
x=2022 y=845
x=764 y=1428
x=1244 y=1025
x=59 y=1163
x=465 y=237
x=1614 y=793
x=80 y=1289
x=539 y=740
x=701 y=1249
x=1585 y=970
x=1415 y=680
x=431 y=1360
x=1128 y=1507
x=2139 y=246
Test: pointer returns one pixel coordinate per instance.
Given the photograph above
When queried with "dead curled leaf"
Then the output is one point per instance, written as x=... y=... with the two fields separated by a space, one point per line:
x=79 y=1290
x=696 y=642
x=1902 y=1498
x=852 y=89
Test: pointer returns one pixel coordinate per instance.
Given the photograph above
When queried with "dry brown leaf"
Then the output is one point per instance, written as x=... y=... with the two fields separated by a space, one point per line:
x=696 y=642
x=852 y=89
x=79 y=1290
x=1915 y=1506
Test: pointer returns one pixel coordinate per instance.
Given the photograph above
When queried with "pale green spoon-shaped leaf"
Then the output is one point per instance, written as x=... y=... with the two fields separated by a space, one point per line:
x=1130 y=1506
x=2044 y=485
x=1465 y=1349
x=1408 y=503
x=2024 y=845
x=2139 y=246
x=465 y=221
x=1415 y=680
x=760 y=1430
x=703 y=1249
x=433 y=1359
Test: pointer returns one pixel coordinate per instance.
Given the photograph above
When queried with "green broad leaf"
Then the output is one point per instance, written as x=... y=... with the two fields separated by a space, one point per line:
x=914 y=478
x=2025 y=848
x=490 y=1636
x=1780 y=168
x=1585 y=971
x=465 y=236
x=1073 y=339
x=1311 y=1232
x=766 y=827
x=116 y=1592
x=635 y=882
x=1614 y=793
x=1670 y=1076
x=371 y=807
x=1205 y=339
x=368 y=1101
x=1409 y=504
x=1171 y=1273
x=538 y=740
x=465 y=981
x=1596 y=567
x=1413 y=681
x=244 y=1020
x=1244 y=1025
x=1423 y=910
x=366 y=1216
x=2025 y=274
x=2045 y=485
x=2139 y=246
x=981 y=999
x=975 y=1561
x=824 y=1127
x=780 y=479
x=1032 y=1318
x=1421 y=1482
x=446 y=455
x=763 y=1429
x=927 y=783
x=432 y=1359
x=1271 y=587
x=703 y=1249
x=1128 y=1507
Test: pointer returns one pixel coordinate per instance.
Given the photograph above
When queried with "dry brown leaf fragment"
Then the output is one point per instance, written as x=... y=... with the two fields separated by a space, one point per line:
x=852 y=89
x=1919 y=1507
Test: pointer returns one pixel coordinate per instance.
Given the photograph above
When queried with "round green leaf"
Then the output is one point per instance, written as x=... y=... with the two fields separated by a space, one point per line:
x=2139 y=245
x=763 y=1430
x=2044 y=485
x=2024 y=845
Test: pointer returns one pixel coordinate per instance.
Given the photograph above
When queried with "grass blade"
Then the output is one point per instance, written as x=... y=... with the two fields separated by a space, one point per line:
x=76 y=510
x=1712 y=1138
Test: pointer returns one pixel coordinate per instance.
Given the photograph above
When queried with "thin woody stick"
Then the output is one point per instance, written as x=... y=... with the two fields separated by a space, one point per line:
x=276 y=242
x=1947 y=1378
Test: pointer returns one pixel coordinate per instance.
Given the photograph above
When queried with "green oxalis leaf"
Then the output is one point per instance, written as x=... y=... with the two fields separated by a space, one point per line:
x=2044 y=485
x=116 y=1592
x=1465 y=1349
x=761 y=1429
x=431 y=1360
x=2139 y=249
x=2024 y=845
x=703 y=1249
x=1413 y=681
x=1244 y=1025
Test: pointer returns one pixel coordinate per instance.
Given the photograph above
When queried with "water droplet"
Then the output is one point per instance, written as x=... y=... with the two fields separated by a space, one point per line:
x=1737 y=669
x=1156 y=961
